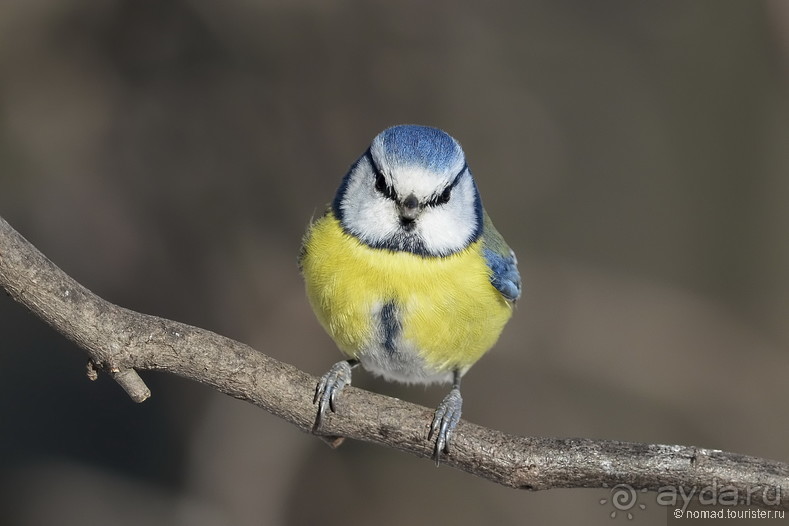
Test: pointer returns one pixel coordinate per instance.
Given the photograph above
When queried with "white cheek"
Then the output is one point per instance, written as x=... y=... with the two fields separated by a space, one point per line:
x=379 y=220
x=367 y=213
x=449 y=228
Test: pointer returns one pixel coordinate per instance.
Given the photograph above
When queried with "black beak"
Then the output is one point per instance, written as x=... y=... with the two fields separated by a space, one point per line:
x=409 y=208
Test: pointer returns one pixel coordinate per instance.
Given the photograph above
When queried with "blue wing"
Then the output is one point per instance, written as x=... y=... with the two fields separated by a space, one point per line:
x=501 y=260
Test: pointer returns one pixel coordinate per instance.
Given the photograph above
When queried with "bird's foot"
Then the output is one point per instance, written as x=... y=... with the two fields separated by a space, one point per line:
x=444 y=422
x=329 y=385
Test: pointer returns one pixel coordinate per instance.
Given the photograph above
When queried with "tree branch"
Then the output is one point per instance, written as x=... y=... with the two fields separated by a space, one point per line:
x=120 y=342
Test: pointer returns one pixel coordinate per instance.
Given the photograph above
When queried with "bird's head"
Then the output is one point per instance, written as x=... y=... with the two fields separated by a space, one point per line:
x=411 y=191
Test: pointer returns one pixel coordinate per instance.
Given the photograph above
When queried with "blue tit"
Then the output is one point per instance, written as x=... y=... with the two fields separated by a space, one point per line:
x=406 y=272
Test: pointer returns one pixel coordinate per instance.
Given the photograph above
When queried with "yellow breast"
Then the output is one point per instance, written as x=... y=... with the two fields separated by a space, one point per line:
x=449 y=314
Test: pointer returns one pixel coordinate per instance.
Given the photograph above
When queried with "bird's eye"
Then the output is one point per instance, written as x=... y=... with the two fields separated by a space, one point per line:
x=382 y=187
x=380 y=182
x=445 y=195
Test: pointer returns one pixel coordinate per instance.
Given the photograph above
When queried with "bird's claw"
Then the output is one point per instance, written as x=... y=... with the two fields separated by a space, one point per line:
x=444 y=422
x=329 y=385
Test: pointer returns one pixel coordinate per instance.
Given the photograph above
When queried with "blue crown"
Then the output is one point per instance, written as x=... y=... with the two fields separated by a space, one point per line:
x=418 y=145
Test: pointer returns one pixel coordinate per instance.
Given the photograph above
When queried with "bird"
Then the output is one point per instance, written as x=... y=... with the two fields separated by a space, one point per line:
x=406 y=272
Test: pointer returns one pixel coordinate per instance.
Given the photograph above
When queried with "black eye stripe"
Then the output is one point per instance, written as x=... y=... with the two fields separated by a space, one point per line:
x=385 y=189
x=380 y=181
x=445 y=194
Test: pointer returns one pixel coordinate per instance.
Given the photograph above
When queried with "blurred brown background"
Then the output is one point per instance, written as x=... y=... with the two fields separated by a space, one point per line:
x=169 y=155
